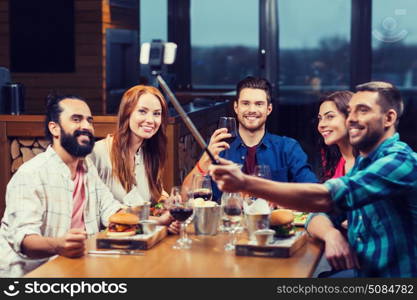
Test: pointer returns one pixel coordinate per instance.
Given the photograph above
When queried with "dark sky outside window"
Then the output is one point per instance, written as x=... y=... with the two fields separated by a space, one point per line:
x=314 y=44
x=394 y=42
x=153 y=24
x=224 y=41
x=394 y=56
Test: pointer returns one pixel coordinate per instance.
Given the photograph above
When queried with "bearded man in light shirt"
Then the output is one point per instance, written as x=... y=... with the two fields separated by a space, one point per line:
x=57 y=198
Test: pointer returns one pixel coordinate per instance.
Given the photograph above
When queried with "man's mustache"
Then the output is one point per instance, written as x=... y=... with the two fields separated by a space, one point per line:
x=355 y=126
x=77 y=133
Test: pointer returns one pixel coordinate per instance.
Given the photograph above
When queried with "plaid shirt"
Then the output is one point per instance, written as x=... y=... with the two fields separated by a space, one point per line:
x=39 y=201
x=380 y=197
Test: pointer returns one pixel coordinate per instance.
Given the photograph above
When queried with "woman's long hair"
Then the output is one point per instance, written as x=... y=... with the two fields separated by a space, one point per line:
x=153 y=149
x=330 y=155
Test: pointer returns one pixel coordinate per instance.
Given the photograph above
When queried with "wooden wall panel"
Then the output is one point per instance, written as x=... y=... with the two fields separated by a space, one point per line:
x=86 y=81
x=92 y=18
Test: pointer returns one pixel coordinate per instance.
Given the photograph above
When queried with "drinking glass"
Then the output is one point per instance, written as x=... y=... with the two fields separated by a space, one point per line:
x=202 y=187
x=263 y=171
x=190 y=196
x=180 y=209
x=225 y=224
x=232 y=208
x=230 y=124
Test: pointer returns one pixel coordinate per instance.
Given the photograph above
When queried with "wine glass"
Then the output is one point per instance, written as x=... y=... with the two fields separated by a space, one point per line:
x=180 y=209
x=202 y=187
x=232 y=208
x=230 y=124
x=187 y=222
x=225 y=223
x=263 y=171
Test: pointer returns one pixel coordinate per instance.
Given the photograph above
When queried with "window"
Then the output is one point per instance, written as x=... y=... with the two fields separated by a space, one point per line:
x=224 y=42
x=394 y=55
x=314 y=57
x=394 y=42
x=153 y=25
x=314 y=44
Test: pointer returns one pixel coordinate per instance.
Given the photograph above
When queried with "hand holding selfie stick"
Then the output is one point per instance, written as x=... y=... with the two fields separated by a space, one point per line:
x=156 y=54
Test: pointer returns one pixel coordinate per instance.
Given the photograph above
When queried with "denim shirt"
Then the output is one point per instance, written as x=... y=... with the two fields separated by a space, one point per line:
x=284 y=155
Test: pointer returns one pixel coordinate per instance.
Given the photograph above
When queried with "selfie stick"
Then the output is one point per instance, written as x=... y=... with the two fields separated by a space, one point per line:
x=185 y=118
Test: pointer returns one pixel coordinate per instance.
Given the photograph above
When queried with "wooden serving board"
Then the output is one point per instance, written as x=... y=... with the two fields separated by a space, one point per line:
x=139 y=241
x=280 y=248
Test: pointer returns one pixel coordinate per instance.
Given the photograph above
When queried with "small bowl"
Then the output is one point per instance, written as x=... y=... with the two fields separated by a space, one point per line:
x=264 y=236
x=148 y=226
x=142 y=210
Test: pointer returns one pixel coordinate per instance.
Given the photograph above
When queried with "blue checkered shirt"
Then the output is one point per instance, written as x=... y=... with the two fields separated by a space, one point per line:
x=380 y=197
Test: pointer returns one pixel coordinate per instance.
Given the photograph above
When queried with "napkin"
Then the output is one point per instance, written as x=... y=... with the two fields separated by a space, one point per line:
x=257 y=207
x=200 y=202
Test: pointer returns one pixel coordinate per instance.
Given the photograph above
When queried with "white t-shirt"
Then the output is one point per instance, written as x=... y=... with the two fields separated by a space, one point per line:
x=101 y=158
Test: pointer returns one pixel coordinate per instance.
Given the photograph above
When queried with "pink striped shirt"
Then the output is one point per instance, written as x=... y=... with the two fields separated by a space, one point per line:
x=78 y=196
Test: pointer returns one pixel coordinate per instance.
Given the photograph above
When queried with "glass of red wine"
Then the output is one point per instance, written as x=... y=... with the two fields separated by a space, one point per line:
x=232 y=212
x=202 y=187
x=230 y=124
x=180 y=209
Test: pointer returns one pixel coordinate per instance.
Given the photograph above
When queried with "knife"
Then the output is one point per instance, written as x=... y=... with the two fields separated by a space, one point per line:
x=115 y=252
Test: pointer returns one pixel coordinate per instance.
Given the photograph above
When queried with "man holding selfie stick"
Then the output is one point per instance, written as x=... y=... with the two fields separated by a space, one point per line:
x=379 y=194
x=253 y=145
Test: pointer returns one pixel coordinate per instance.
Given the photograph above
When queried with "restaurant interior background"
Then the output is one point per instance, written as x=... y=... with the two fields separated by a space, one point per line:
x=304 y=47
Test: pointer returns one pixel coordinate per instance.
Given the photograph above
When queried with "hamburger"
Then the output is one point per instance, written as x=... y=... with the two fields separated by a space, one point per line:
x=281 y=221
x=122 y=224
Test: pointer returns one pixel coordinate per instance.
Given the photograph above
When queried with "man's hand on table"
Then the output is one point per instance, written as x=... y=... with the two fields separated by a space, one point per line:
x=72 y=244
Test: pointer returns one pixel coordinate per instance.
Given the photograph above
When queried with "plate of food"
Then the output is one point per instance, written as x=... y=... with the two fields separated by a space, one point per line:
x=300 y=218
x=125 y=231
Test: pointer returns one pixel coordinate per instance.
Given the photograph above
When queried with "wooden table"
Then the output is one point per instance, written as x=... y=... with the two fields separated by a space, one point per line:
x=206 y=258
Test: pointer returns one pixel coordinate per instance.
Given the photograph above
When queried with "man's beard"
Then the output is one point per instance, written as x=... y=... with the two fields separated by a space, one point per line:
x=70 y=144
x=370 y=139
x=367 y=142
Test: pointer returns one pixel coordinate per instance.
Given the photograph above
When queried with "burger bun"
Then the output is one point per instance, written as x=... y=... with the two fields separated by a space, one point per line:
x=281 y=217
x=124 y=218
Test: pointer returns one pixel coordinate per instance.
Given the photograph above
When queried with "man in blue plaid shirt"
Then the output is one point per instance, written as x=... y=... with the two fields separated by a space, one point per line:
x=379 y=194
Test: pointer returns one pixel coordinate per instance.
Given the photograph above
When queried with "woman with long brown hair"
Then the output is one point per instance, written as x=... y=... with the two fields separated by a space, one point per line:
x=337 y=154
x=130 y=162
x=337 y=158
